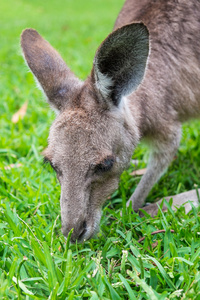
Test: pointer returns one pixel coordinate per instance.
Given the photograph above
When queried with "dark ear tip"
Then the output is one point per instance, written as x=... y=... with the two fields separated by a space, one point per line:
x=144 y=28
x=137 y=26
x=30 y=35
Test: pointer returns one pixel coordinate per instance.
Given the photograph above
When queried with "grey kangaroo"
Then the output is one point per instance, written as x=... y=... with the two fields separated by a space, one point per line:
x=100 y=121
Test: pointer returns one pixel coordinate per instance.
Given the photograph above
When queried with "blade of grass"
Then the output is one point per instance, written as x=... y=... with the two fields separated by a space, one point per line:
x=127 y=286
x=163 y=272
x=142 y=283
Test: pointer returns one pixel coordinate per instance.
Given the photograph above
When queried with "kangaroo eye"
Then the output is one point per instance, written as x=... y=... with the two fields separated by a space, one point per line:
x=47 y=161
x=105 y=165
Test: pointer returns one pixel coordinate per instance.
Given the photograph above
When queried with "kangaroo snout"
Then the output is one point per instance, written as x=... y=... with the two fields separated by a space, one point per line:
x=80 y=229
x=83 y=229
x=73 y=217
x=84 y=222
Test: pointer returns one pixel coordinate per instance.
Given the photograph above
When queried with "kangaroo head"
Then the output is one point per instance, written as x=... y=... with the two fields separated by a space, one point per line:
x=93 y=136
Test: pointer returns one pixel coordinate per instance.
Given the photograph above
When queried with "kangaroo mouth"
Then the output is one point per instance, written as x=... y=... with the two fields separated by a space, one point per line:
x=88 y=231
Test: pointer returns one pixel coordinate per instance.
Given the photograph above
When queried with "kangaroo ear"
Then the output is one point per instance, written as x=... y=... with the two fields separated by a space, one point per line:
x=120 y=62
x=55 y=78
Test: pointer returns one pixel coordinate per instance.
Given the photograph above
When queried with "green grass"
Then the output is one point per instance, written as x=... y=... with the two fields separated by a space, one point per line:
x=36 y=262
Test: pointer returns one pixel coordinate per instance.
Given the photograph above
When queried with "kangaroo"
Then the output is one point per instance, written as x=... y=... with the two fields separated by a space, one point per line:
x=100 y=121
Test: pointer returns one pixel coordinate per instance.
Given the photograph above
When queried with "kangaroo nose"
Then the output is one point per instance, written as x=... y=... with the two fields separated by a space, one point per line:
x=78 y=232
x=82 y=230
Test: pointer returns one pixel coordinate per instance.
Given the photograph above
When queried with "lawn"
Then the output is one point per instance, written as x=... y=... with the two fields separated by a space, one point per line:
x=36 y=261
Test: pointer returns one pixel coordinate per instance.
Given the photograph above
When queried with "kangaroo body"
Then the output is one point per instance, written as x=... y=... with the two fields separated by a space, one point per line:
x=169 y=93
x=100 y=121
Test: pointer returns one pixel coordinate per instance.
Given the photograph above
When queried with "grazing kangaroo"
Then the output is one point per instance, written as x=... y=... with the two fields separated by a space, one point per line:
x=101 y=120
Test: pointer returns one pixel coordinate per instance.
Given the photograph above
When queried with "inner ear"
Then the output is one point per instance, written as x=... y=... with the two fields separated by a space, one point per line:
x=120 y=62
